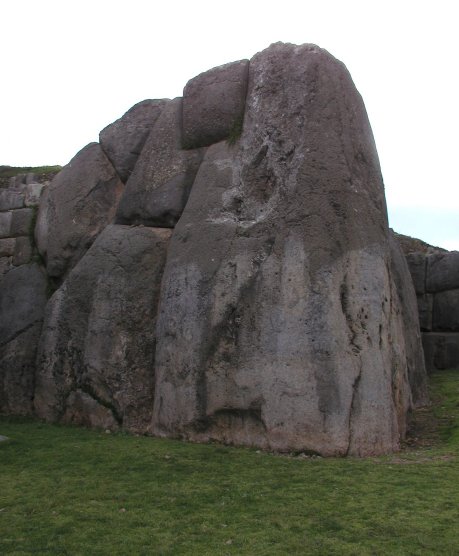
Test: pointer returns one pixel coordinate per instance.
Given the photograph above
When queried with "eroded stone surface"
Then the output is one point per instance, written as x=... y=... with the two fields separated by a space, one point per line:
x=446 y=311
x=442 y=271
x=280 y=324
x=213 y=104
x=157 y=191
x=123 y=140
x=98 y=340
x=22 y=303
x=80 y=201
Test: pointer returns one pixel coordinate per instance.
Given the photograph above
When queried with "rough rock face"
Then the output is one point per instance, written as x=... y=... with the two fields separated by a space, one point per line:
x=213 y=104
x=157 y=191
x=96 y=360
x=123 y=140
x=22 y=302
x=279 y=326
x=277 y=310
x=411 y=333
x=435 y=274
x=80 y=202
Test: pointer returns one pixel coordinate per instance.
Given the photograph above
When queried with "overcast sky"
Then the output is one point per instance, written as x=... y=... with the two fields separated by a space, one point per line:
x=69 y=68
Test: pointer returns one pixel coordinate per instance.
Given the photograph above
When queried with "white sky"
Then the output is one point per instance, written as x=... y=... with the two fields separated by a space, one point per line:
x=69 y=68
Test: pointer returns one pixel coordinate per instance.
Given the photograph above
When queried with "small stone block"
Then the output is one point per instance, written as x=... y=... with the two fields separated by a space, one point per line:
x=33 y=193
x=21 y=221
x=442 y=271
x=23 y=251
x=7 y=247
x=11 y=200
x=446 y=311
x=5 y=224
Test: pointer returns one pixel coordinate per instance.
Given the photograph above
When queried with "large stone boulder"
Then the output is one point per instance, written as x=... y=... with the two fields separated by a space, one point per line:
x=22 y=303
x=213 y=104
x=96 y=364
x=157 y=191
x=78 y=204
x=280 y=322
x=123 y=140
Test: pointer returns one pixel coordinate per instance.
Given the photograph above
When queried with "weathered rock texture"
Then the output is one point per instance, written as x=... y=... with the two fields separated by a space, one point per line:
x=123 y=140
x=97 y=355
x=81 y=200
x=250 y=291
x=157 y=191
x=435 y=274
x=23 y=293
x=280 y=324
x=22 y=303
x=213 y=104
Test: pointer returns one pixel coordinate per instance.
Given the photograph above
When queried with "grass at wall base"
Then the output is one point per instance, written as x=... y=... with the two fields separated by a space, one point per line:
x=69 y=491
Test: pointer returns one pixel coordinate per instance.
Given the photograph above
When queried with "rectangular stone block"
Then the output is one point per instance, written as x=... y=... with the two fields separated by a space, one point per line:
x=11 y=199
x=7 y=247
x=5 y=265
x=23 y=251
x=417 y=265
x=5 y=224
x=21 y=222
x=446 y=311
x=33 y=193
x=441 y=350
x=425 y=303
x=442 y=272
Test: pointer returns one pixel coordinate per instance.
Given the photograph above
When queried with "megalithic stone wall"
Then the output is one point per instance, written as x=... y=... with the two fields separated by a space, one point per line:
x=23 y=293
x=435 y=274
x=225 y=271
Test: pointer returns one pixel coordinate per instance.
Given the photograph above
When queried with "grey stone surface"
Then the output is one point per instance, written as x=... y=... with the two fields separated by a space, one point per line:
x=7 y=247
x=41 y=231
x=410 y=334
x=22 y=251
x=5 y=224
x=280 y=322
x=98 y=343
x=22 y=299
x=22 y=302
x=21 y=221
x=82 y=409
x=10 y=199
x=441 y=350
x=213 y=104
x=17 y=372
x=417 y=266
x=5 y=265
x=32 y=194
x=442 y=271
x=157 y=191
x=81 y=200
x=123 y=140
x=446 y=311
x=425 y=305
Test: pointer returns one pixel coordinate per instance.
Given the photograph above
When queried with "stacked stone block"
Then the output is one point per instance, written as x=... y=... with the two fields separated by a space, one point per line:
x=436 y=281
x=223 y=271
x=23 y=293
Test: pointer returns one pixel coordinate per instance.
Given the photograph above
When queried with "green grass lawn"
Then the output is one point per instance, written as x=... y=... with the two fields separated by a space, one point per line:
x=67 y=490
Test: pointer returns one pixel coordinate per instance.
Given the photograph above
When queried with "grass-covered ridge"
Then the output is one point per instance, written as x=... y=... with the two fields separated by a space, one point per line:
x=69 y=491
x=10 y=171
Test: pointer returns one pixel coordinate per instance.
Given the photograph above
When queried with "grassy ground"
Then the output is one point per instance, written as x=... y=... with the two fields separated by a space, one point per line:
x=66 y=490
x=10 y=171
